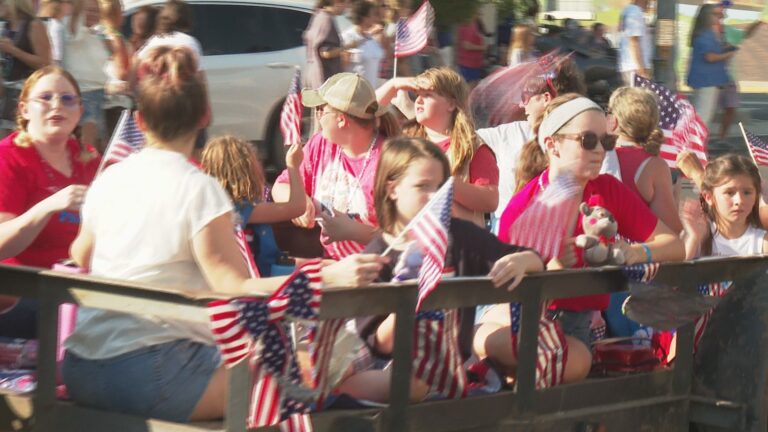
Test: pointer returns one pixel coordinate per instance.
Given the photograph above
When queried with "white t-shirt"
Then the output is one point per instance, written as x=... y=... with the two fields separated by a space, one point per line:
x=144 y=213
x=750 y=243
x=506 y=141
x=364 y=60
x=631 y=24
x=56 y=34
x=174 y=39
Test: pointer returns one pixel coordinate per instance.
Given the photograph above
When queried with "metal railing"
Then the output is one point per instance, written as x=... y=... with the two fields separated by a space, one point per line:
x=664 y=396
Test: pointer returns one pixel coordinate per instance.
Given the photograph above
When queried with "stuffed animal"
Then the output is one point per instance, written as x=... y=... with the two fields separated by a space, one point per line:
x=599 y=236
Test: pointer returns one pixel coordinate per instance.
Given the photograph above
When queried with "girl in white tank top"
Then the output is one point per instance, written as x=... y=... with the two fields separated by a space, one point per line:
x=727 y=222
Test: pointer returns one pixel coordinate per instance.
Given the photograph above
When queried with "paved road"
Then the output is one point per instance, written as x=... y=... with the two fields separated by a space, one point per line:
x=753 y=113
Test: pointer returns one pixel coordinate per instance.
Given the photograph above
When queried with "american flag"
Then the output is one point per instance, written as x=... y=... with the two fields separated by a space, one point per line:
x=430 y=230
x=757 y=148
x=290 y=117
x=437 y=358
x=683 y=129
x=551 y=349
x=344 y=248
x=126 y=140
x=258 y=328
x=413 y=33
x=245 y=251
x=322 y=338
x=555 y=209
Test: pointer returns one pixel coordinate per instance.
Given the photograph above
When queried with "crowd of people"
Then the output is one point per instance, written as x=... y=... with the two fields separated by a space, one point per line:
x=164 y=217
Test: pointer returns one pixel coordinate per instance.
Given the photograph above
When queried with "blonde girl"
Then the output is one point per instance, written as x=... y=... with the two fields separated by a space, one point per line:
x=633 y=115
x=234 y=164
x=442 y=117
x=727 y=221
x=409 y=173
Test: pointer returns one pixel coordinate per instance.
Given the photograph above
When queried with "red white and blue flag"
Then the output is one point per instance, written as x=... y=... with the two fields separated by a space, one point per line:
x=682 y=127
x=258 y=329
x=550 y=218
x=551 y=348
x=757 y=148
x=126 y=140
x=245 y=251
x=343 y=248
x=430 y=230
x=412 y=34
x=290 y=116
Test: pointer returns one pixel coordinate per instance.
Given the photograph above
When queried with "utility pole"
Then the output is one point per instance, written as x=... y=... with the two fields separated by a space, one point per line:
x=666 y=43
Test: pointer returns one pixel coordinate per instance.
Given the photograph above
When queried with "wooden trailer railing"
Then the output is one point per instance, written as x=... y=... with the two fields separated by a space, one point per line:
x=662 y=399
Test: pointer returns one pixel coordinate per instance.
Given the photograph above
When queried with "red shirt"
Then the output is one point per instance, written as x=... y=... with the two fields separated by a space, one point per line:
x=483 y=170
x=25 y=180
x=469 y=58
x=636 y=223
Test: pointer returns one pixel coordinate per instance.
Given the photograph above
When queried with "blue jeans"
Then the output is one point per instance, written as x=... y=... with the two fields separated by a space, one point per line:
x=162 y=381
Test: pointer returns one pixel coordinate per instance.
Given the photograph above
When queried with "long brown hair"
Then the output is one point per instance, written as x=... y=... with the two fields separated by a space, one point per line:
x=172 y=98
x=234 y=164
x=464 y=141
x=532 y=160
x=396 y=156
x=637 y=112
x=719 y=171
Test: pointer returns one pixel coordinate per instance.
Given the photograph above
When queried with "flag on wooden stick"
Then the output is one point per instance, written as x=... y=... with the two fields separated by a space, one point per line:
x=758 y=149
x=412 y=34
x=290 y=116
x=126 y=140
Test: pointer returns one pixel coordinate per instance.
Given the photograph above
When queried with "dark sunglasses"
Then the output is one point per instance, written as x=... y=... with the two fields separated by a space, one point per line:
x=66 y=99
x=589 y=140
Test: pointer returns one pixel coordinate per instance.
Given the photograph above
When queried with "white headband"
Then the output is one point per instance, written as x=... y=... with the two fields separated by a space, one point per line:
x=562 y=115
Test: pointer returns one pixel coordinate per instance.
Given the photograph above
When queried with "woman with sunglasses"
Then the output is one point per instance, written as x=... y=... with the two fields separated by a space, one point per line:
x=43 y=178
x=573 y=135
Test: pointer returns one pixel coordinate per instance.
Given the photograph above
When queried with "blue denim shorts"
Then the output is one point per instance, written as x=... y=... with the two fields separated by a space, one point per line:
x=93 y=109
x=576 y=324
x=162 y=381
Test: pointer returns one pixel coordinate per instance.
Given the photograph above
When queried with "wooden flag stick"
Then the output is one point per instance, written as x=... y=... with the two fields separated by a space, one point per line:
x=746 y=141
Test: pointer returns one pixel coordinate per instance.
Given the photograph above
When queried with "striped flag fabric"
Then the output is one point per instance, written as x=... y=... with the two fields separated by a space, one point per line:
x=258 y=329
x=412 y=34
x=551 y=347
x=437 y=358
x=555 y=208
x=245 y=251
x=430 y=230
x=290 y=116
x=757 y=148
x=344 y=248
x=682 y=127
x=126 y=140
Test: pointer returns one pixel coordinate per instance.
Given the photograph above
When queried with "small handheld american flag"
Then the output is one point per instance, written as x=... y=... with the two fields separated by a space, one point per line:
x=412 y=34
x=126 y=140
x=551 y=347
x=683 y=129
x=437 y=359
x=549 y=219
x=758 y=148
x=290 y=117
x=430 y=230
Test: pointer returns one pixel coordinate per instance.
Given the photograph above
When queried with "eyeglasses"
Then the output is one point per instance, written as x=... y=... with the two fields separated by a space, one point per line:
x=68 y=100
x=589 y=140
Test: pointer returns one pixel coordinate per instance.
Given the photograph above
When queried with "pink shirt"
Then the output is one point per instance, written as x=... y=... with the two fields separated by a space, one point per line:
x=25 y=180
x=636 y=223
x=339 y=181
x=469 y=58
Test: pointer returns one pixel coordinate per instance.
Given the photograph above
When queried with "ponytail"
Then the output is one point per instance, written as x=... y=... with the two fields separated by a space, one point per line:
x=532 y=162
x=653 y=142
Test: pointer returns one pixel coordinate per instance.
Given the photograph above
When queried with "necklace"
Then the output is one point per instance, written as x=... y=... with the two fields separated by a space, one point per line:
x=358 y=177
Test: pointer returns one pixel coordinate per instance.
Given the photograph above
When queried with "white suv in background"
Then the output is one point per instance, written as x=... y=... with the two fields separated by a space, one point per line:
x=250 y=49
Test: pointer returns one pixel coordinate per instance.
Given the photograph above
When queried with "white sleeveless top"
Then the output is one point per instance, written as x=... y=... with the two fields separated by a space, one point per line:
x=750 y=243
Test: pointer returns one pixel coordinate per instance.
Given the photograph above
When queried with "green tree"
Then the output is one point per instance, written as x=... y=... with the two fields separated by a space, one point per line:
x=452 y=12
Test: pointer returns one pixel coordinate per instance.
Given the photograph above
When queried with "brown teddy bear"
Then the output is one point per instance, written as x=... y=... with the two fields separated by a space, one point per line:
x=599 y=236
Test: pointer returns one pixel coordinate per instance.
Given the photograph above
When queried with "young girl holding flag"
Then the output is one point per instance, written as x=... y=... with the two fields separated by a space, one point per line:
x=409 y=174
x=442 y=116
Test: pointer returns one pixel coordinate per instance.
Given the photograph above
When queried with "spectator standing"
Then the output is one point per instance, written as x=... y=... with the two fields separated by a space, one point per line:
x=25 y=47
x=142 y=26
x=732 y=37
x=597 y=42
x=635 y=45
x=117 y=90
x=522 y=45
x=366 y=35
x=324 y=48
x=51 y=12
x=44 y=175
x=470 y=50
x=707 y=72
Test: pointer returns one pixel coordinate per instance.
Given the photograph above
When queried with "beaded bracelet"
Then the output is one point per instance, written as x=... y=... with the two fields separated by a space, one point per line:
x=648 y=256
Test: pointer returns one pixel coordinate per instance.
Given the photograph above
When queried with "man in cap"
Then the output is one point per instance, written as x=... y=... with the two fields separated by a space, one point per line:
x=340 y=164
